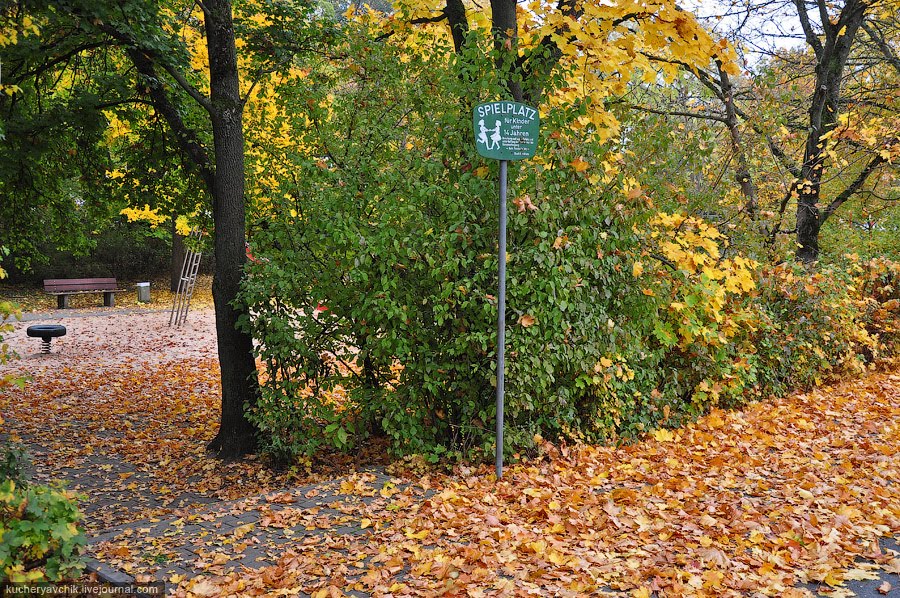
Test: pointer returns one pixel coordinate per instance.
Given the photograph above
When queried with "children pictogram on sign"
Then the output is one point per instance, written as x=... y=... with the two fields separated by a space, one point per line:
x=492 y=142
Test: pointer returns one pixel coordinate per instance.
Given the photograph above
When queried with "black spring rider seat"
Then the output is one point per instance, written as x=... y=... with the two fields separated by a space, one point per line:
x=46 y=332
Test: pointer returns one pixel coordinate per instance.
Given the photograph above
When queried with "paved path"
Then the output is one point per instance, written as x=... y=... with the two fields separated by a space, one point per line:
x=229 y=536
x=254 y=533
x=62 y=314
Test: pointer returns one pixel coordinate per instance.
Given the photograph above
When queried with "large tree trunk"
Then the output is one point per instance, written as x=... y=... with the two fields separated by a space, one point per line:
x=808 y=224
x=504 y=26
x=831 y=58
x=240 y=386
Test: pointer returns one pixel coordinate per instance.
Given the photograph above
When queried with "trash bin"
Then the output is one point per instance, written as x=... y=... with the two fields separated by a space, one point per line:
x=143 y=292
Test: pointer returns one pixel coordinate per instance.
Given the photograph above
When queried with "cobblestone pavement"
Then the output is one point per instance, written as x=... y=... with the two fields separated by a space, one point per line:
x=248 y=533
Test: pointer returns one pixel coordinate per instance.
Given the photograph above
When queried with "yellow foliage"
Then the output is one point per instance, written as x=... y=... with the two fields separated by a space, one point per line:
x=182 y=227
x=602 y=49
x=704 y=290
x=144 y=214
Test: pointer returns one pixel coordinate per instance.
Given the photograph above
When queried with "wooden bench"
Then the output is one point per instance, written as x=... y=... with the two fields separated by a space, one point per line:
x=63 y=288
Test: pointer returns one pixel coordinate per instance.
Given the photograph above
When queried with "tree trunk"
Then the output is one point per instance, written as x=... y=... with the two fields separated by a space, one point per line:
x=455 y=11
x=240 y=386
x=742 y=170
x=808 y=224
x=504 y=26
x=831 y=57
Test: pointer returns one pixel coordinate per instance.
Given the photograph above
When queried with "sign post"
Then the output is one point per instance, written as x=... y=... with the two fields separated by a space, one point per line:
x=504 y=131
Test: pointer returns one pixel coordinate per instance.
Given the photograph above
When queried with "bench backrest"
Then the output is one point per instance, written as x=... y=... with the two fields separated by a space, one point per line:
x=62 y=285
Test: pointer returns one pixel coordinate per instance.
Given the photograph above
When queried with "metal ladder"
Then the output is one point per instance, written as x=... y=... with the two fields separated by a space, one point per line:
x=187 y=282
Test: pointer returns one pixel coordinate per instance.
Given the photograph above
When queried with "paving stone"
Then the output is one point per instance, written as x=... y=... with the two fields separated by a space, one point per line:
x=256 y=561
x=350 y=530
x=220 y=523
x=106 y=573
x=166 y=574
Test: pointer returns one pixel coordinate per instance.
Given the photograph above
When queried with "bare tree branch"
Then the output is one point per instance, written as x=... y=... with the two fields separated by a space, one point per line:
x=702 y=115
x=882 y=45
x=184 y=83
x=811 y=38
x=855 y=186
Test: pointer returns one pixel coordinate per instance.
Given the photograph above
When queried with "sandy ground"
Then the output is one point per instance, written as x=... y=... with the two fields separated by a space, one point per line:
x=111 y=338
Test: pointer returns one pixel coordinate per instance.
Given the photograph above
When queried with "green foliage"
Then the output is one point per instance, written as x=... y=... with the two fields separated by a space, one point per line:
x=808 y=326
x=837 y=319
x=373 y=289
x=391 y=225
x=39 y=536
x=45 y=204
x=124 y=250
x=8 y=311
x=13 y=462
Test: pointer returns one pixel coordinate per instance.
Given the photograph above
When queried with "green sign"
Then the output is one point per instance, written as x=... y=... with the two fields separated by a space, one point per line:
x=505 y=130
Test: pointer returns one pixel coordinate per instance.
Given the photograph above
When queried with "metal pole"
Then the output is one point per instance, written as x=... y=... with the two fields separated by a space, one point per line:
x=501 y=318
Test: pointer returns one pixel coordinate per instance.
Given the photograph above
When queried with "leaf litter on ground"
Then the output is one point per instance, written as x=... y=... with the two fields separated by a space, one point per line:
x=123 y=409
x=750 y=502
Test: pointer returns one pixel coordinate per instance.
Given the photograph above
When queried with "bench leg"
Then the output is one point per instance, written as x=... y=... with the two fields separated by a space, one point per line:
x=62 y=301
x=109 y=299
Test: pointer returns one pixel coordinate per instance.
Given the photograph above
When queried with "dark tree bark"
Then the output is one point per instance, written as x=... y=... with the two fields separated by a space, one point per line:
x=831 y=59
x=240 y=386
x=455 y=11
x=505 y=27
x=526 y=74
x=223 y=175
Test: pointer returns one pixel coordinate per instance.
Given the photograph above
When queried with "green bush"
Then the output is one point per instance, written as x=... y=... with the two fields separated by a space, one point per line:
x=8 y=311
x=808 y=326
x=13 y=463
x=124 y=250
x=878 y=283
x=39 y=534
x=391 y=224
x=373 y=291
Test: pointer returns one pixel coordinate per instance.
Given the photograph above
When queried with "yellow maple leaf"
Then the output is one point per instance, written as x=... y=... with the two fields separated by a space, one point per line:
x=859 y=574
x=714 y=420
x=420 y=535
x=557 y=558
x=834 y=579
x=663 y=435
